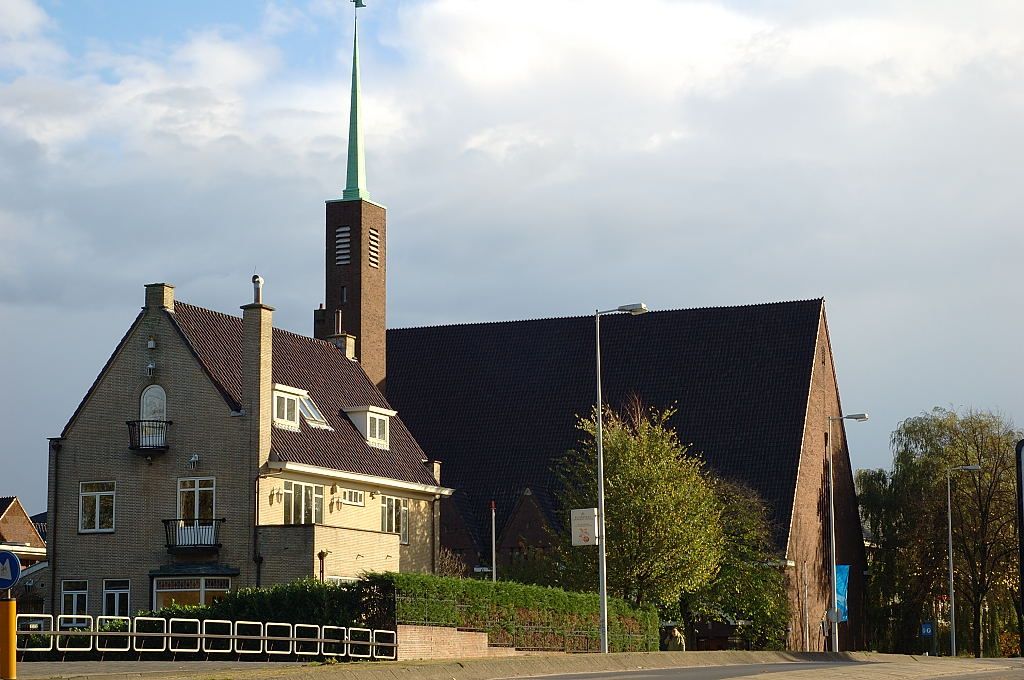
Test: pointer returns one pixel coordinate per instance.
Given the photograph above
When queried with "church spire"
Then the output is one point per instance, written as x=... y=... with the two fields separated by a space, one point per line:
x=355 y=185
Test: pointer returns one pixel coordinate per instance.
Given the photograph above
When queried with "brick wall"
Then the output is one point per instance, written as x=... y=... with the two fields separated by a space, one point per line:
x=17 y=527
x=364 y=311
x=432 y=642
x=808 y=542
x=229 y=447
x=95 y=448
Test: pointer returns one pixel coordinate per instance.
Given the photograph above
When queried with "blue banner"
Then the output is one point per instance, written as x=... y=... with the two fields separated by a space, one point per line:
x=842 y=580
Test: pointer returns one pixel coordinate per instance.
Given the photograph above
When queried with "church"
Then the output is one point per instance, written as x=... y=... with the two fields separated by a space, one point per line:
x=754 y=386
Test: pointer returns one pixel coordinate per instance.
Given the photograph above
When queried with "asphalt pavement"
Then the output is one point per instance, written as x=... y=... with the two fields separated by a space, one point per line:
x=635 y=666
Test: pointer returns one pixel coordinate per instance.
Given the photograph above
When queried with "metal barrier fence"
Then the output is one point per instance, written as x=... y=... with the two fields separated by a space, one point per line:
x=145 y=634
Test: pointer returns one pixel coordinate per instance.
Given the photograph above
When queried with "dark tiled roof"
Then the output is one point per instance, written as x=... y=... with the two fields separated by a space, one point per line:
x=39 y=520
x=497 y=402
x=5 y=502
x=332 y=381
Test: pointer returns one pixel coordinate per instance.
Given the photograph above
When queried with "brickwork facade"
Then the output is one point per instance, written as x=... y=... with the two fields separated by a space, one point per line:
x=356 y=276
x=93 y=540
x=810 y=577
x=16 y=526
x=434 y=642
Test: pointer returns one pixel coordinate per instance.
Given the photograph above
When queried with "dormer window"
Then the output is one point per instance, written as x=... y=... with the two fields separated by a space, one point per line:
x=373 y=422
x=286 y=412
x=378 y=430
x=289 y=402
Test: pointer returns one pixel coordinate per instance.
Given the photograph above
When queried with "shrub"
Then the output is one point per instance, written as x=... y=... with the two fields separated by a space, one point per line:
x=512 y=613
x=303 y=601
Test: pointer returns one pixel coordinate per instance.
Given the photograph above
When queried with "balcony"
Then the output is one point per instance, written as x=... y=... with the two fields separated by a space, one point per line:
x=148 y=437
x=189 y=535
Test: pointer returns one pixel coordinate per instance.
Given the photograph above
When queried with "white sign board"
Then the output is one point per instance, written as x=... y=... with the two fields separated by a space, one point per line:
x=584 y=526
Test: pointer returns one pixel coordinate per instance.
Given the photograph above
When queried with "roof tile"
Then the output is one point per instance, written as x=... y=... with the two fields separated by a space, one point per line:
x=497 y=402
x=333 y=381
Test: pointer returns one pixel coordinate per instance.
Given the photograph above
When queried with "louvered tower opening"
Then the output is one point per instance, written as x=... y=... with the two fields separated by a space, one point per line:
x=374 y=252
x=343 y=245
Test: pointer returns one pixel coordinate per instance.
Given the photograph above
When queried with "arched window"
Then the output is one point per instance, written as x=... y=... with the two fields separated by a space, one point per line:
x=153 y=404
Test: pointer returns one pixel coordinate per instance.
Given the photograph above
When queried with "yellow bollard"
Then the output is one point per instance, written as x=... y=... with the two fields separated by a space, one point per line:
x=8 y=638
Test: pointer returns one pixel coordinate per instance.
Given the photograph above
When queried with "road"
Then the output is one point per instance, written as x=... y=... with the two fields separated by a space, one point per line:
x=870 y=667
x=808 y=671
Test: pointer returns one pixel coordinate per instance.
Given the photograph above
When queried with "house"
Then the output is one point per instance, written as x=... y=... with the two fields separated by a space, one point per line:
x=754 y=387
x=215 y=451
x=20 y=535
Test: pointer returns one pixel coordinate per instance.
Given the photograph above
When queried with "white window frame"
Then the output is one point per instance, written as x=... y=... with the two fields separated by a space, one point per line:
x=394 y=517
x=305 y=409
x=202 y=586
x=316 y=494
x=376 y=424
x=161 y=396
x=117 y=593
x=282 y=399
x=76 y=594
x=96 y=495
x=212 y=489
x=353 y=497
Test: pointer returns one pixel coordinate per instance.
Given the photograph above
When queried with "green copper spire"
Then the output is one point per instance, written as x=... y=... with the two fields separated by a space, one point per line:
x=355 y=186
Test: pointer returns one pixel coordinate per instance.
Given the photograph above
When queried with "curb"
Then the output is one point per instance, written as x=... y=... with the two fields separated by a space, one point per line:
x=500 y=668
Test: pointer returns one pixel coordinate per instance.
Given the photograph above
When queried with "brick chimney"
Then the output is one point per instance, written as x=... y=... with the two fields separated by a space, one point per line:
x=257 y=369
x=160 y=296
x=340 y=339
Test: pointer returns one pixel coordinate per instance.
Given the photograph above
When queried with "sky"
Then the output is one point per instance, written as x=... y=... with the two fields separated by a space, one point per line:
x=536 y=159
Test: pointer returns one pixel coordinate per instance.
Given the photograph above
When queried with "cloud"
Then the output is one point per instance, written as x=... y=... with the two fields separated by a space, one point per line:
x=21 y=18
x=536 y=160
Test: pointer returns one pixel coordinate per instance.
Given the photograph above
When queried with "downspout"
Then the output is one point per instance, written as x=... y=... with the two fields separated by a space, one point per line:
x=51 y=524
x=806 y=631
x=257 y=558
x=433 y=533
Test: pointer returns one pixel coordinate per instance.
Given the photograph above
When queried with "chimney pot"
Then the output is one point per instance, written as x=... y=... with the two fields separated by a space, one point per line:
x=257 y=289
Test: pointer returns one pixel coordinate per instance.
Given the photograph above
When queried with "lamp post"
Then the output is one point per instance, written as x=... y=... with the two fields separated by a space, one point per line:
x=834 y=613
x=602 y=566
x=949 y=527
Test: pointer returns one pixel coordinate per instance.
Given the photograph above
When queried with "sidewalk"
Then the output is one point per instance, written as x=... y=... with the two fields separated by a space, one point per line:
x=849 y=666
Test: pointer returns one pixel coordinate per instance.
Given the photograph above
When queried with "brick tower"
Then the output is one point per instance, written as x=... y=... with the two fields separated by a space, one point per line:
x=356 y=251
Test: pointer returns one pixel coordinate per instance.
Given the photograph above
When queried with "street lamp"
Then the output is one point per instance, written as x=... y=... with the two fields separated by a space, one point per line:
x=834 y=614
x=602 y=566
x=949 y=526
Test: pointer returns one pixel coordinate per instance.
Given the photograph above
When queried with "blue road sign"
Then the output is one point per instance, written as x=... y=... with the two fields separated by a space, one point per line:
x=927 y=629
x=10 y=569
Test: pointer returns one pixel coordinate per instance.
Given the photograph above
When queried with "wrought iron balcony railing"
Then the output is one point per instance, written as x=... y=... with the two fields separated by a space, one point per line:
x=187 y=534
x=148 y=435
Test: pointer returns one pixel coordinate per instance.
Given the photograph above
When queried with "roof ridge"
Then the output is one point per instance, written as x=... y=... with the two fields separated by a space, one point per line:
x=276 y=328
x=587 y=316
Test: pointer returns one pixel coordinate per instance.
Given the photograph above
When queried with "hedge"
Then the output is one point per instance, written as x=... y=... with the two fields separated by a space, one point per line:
x=514 y=614
x=303 y=601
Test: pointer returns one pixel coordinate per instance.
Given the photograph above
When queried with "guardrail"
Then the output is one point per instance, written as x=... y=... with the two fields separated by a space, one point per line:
x=144 y=634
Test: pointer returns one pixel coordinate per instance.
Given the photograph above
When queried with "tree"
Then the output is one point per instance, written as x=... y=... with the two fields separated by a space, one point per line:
x=662 y=513
x=450 y=563
x=904 y=523
x=905 y=512
x=749 y=586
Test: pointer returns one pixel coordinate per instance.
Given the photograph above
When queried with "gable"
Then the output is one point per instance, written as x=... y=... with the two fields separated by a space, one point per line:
x=498 y=402
x=16 y=526
x=118 y=386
